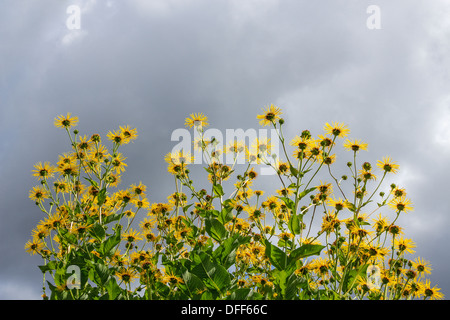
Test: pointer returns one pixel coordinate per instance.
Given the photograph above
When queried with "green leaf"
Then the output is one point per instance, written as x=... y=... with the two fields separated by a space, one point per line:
x=305 y=192
x=202 y=212
x=113 y=217
x=289 y=283
x=218 y=190
x=60 y=275
x=292 y=186
x=294 y=224
x=97 y=231
x=214 y=213
x=67 y=236
x=77 y=209
x=289 y=203
x=226 y=252
x=351 y=206
x=304 y=251
x=208 y=170
x=294 y=171
x=284 y=243
x=99 y=273
x=101 y=197
x=244 y=294
x=350 y=278
x=276 y=256
x=193 y=283
x=225 y=215
x=113 y=288
x=186 y=207
x=93 y=183
x=207 y=295
x=55 y=293
x=212 y=274
x=292 y=284
x=215 y=229
x=51 y=265
x=240 y=294
x=107 y=247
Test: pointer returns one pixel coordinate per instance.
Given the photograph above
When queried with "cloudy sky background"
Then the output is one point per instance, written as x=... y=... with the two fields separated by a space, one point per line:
x=150 y=63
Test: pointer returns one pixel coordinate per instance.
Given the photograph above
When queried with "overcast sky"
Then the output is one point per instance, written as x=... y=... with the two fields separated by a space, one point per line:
x=150 y=63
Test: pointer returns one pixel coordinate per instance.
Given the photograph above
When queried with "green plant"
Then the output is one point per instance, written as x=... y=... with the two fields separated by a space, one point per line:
x=207 y=243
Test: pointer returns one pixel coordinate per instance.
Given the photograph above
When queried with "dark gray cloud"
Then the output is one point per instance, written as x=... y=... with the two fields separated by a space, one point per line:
x=151 y=63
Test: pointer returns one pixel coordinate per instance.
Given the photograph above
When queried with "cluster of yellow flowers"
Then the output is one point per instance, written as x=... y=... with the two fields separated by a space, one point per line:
x=366 y=245
x=191 y=218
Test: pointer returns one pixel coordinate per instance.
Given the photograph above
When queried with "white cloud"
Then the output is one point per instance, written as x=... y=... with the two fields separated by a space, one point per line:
x=159 y=7
x=72 y=36
x=87 y=6
x=441 y=126
x=251 y=10
x=407 y=175
x=14 y=290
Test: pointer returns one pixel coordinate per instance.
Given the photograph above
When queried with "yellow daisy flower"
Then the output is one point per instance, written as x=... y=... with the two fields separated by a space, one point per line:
x=422 y=266
x=387 y=165
x=33 y=247
x=355 y=145
x=132 y=236
x=116 y=136
x=271 y=114
x=126 y=275
x=432 y=292
x=404 y=245
x=401 y=204
x=196 y=119
x=43 y=171
x=38 y=194
x=339 y=130
x=66 y=121
x=128 y=134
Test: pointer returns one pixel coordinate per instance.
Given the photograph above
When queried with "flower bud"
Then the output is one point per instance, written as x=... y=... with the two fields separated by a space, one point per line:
x=411 y=274
x=306 y=134
x=95 y=137
x=367 y=166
